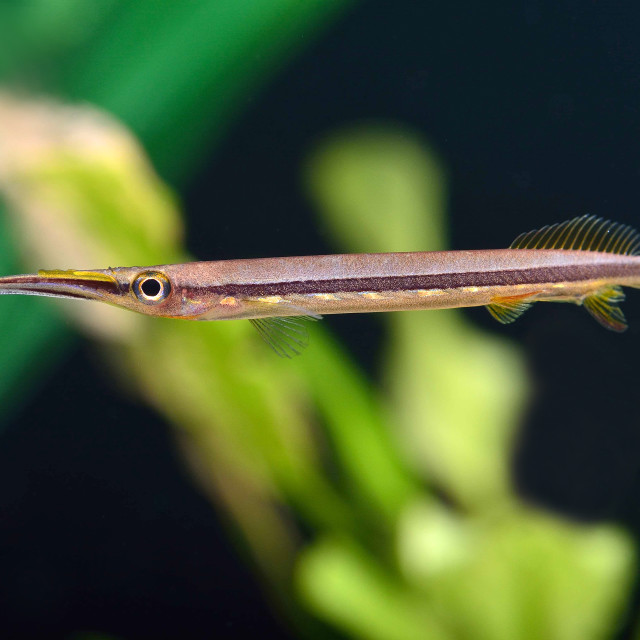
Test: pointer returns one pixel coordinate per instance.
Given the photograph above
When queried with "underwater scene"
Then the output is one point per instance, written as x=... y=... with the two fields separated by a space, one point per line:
x=359 y=450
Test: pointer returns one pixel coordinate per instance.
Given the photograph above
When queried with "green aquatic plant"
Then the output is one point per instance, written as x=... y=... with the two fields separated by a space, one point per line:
x=202 y=59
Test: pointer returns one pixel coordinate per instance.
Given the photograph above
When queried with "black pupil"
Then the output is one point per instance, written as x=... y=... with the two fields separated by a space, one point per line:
x=150 y=287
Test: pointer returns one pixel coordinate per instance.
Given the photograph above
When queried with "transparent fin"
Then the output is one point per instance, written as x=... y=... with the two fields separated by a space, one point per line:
x=287 y=336
x=603 y=306
x=508 y=310
x=586 y=233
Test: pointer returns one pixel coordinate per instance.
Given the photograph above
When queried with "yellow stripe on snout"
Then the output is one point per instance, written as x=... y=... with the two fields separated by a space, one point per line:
x=91 y=276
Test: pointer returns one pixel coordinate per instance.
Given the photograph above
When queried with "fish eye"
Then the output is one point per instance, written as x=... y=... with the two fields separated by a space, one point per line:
x=151 y=287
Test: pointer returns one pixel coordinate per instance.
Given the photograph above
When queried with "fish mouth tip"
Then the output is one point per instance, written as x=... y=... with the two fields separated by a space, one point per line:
x=64 y=284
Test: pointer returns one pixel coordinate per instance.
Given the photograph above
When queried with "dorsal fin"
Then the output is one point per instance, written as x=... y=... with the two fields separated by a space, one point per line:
x=586 y=233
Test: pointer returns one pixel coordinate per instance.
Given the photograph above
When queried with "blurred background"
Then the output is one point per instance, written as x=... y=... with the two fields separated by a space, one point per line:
x=418 y=475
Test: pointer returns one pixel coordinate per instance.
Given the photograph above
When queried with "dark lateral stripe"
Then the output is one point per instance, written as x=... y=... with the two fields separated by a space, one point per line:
x=508 y=277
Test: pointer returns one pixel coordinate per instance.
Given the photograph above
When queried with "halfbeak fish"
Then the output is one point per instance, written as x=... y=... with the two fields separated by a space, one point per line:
x=585 y=260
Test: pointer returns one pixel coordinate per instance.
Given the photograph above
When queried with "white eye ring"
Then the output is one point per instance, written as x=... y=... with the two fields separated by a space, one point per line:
x=151 y=287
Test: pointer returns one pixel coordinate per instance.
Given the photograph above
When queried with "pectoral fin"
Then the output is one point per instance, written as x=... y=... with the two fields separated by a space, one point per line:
x=286 y=336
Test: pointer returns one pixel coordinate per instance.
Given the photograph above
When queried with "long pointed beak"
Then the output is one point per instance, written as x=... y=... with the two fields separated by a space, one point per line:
x=87 y=285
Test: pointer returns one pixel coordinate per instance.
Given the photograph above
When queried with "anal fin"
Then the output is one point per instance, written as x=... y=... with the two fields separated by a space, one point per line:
x=603 y=306
x=507 y=310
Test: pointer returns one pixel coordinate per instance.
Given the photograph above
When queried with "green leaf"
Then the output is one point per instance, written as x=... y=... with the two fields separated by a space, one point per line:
x=179 y=77
x=381 y=189
x=351 y=590
x=177 y=73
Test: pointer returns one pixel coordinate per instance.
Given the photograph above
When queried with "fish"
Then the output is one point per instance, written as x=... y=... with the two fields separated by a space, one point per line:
x=586 y=261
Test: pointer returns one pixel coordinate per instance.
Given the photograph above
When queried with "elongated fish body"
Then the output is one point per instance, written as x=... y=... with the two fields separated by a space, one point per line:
x=358 y=283
x=585 y=261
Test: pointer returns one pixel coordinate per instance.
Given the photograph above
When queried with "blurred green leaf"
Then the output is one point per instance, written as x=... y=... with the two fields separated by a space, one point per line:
x=381 y=190
x=178 y=77
x=27 y=332
x=36 y=36
x=176 y=72
x=350 y=590
x=515 y=574
x=484 y=569
x=358 y=429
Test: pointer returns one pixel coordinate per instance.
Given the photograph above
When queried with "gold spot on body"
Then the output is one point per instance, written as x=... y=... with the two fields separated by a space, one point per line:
x=559 y=285
x=471 y=289
x=372 y=295
x=270 y=299
x=325 y=296
x=423 y=293
x=229 y=301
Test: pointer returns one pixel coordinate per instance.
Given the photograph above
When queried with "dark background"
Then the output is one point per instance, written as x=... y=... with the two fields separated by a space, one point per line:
x=534 y=109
